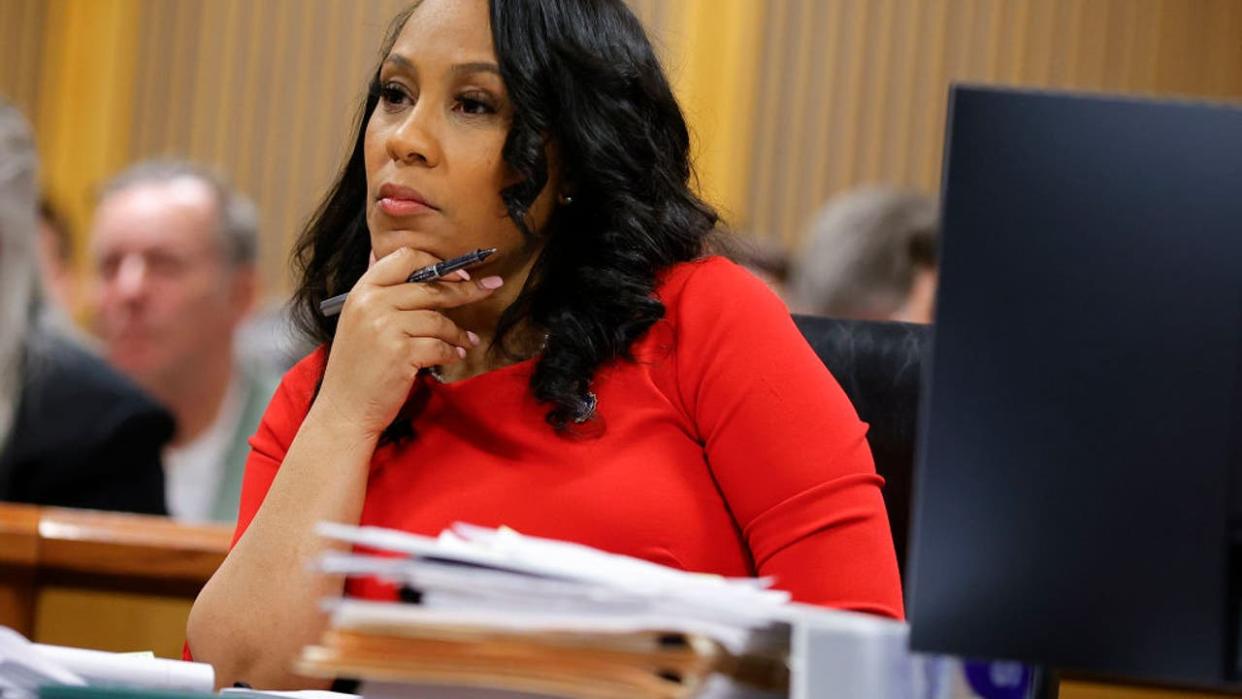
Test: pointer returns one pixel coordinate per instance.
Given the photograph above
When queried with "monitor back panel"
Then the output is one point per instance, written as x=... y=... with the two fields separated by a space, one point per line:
x=1083 y=399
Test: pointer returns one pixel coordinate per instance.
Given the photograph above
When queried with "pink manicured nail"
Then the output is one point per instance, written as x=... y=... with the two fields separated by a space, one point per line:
x=465 y=276
x=461 y=352
x=491 y=282
x=474 y=339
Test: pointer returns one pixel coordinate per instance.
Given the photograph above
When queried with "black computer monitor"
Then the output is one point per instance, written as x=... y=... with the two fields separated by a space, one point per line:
x=1080 y=459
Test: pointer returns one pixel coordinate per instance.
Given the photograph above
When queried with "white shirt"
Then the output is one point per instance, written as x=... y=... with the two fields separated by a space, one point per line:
x=192 y=472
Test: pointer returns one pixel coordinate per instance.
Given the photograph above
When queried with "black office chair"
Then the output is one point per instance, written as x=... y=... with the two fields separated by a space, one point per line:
x=879 y=365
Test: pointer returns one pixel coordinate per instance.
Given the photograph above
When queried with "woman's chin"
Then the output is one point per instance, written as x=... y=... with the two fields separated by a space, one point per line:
x=389 y=241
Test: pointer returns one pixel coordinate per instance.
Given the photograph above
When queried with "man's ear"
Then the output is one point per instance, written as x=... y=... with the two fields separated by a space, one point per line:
x=244 y=290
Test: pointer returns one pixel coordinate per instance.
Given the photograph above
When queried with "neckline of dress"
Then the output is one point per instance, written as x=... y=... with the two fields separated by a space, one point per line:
x=436 y=381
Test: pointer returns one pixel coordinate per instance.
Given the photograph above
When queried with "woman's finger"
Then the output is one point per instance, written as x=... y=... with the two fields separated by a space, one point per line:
x=441 y=294
x=435 y=325
x=397 y=266
x=429 y=351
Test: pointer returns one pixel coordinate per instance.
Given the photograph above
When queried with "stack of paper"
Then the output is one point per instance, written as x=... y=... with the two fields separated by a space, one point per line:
x=23 y=670
x=494 y=609
x=27 y=668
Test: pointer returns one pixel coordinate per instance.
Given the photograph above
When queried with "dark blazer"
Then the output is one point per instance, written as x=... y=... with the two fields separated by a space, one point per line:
x=83 y=436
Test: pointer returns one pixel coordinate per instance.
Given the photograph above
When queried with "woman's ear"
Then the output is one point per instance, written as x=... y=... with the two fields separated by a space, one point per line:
x=549 y=198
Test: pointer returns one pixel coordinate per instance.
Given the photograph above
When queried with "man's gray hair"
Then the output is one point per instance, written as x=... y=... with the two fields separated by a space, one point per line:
x=237 y=218
x=19 y=198
x=861 y=253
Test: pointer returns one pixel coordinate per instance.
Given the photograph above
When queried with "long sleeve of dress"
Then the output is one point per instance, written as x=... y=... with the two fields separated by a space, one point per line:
x=784 y=444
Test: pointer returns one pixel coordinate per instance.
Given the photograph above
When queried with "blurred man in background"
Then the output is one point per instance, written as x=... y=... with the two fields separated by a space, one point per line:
x=73 y=432
x=869 y=254
x=174 y=250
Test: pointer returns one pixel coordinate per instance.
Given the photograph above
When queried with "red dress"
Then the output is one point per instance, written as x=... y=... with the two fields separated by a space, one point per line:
x=726 y=447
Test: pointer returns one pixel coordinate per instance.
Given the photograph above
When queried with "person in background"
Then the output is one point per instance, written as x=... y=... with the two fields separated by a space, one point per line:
x=73 y=432
x=174 y=248
x=766 y=259
x=869 y=254
x=60 y=290
x=56 y=260
x=270 y=340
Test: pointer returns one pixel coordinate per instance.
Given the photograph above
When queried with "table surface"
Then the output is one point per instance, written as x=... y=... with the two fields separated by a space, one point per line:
x=91 y=574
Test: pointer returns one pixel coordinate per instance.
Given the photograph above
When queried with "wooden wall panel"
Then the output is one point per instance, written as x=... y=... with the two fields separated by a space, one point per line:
x=86 y=63
x=853 y=92
x=21 y=46
x=790 y=101
x=263 y=91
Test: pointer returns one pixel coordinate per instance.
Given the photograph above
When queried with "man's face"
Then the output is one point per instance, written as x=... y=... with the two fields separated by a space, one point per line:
x=166 y=293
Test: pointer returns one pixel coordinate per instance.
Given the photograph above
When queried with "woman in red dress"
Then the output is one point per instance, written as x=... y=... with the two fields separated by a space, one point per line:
x=602 y=378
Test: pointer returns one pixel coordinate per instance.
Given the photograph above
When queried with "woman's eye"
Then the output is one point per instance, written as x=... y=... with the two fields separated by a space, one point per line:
x=474 y=106
x=393 y=95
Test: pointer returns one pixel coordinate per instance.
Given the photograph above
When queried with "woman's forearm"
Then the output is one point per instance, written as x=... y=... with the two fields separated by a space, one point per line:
x=263 y=604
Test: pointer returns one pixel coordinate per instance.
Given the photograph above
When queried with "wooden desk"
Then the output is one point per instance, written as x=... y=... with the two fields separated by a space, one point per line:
x=1082 y=689
x=103 y=580
x=126 y=582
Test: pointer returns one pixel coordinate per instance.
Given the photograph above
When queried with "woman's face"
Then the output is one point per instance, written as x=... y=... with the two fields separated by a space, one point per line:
x=433 y=144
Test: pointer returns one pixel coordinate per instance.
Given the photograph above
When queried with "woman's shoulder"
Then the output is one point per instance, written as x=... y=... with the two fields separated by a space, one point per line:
x=289 y=404
x=712 y=285
x=308 y=368
x=298 y=385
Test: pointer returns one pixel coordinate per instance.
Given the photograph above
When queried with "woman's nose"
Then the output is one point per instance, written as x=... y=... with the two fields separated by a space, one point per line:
x=413 y=140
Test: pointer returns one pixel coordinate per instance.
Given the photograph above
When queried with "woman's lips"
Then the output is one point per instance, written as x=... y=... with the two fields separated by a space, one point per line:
x=403 y=207
x=396 y=200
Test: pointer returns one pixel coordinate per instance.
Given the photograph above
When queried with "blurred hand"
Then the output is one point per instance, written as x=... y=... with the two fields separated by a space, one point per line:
x=389 y=330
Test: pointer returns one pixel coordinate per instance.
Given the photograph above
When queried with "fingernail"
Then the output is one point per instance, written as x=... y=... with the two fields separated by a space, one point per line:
x=474 y=339
x=461 y=352
x=465 y=276
x=491 y=282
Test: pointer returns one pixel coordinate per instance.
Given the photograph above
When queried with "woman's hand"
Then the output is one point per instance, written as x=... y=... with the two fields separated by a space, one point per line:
x=388 y=330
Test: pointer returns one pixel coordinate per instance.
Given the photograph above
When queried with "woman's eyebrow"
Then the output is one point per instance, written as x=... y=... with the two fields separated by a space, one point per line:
x=400 y=62
x=480 y=67
x=458 y=70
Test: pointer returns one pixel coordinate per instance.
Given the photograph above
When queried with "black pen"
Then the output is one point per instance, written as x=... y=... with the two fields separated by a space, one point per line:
x=332 y=306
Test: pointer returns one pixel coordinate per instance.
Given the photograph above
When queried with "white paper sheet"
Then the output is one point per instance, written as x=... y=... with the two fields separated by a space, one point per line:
x=104 y=669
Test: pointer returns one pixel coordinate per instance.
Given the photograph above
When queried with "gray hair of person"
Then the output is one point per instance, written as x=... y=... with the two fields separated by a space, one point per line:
x=19 y=200
x=861 y=252
x=237 y=219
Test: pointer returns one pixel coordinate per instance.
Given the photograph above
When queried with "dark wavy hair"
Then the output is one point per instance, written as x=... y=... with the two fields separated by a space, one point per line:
x=581 y=74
